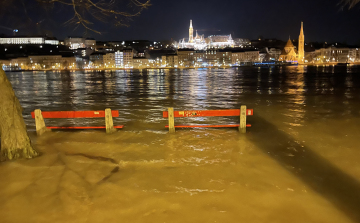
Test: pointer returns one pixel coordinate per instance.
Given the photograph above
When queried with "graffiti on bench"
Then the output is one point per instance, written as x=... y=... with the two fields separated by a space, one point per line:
x=204 y=113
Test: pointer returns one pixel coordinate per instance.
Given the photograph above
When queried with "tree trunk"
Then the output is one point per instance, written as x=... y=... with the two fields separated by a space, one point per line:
x=15 y=142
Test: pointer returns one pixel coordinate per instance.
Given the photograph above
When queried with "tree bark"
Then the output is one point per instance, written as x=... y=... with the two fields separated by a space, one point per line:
x=15 y=142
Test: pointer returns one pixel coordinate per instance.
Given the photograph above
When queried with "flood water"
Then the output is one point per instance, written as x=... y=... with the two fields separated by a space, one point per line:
x=299 y=162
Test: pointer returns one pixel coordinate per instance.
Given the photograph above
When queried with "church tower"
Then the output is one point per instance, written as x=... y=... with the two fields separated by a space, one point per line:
x=191 y=31
x=301 y=52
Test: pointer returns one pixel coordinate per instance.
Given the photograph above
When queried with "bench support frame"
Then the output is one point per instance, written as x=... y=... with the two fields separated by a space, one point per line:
x=171 y=120
x=242 y=127
x=243 y=112
x=109 y=121
x=41 y=127
x=40 y=123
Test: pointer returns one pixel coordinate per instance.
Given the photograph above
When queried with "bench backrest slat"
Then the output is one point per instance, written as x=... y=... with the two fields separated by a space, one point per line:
x=76 y=114
x=203 y=113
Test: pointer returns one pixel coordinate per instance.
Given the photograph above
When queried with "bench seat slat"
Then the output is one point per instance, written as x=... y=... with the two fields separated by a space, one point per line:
x=82 y=127
x=207 y=126
x=204 y=113
x=76 y=114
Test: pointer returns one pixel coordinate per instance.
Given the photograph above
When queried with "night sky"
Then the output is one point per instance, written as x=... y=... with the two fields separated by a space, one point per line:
x=323 y=21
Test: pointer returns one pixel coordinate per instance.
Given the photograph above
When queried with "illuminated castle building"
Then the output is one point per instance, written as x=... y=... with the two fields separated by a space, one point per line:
x=199 y=42
x=220 y=41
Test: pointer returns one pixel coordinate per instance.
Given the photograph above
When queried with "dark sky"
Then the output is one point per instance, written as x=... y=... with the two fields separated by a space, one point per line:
x=166 y=19
x=323 y=19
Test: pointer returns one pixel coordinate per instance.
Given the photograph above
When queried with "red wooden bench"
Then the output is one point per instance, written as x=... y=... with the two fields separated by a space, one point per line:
x=242 y=113
x=39 y=116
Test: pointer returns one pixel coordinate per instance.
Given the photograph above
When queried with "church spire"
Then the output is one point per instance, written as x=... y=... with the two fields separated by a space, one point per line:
x=191 y=32
x=301 y=51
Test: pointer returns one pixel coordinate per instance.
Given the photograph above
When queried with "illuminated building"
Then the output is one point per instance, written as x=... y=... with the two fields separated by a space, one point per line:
x=79 y=42
x=186 y=57
x=169 y=61
x=67 y=62
x=242 y=57
x=109 y=60
x=97 y=60
x=199 y=58
x=41 y=62
x=200 y=43
x=220 y=41
x=141 y=62
x=217 y=57
x=4 y=64
x=335 y=55
x=128 y=58
x=210 y=58
x=274 y=53
x=301 y=53
x=90 y=43
x=21 y=62
x=52 y=41
x=239 y=42
x=84 y=52
x=194 y=43
x=28 y=40
x=289 y=53
x=225 y=56
x=124 y=58
x=119 y=59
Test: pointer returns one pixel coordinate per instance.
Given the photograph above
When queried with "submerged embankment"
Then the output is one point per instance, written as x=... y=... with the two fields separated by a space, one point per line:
x=297 y=163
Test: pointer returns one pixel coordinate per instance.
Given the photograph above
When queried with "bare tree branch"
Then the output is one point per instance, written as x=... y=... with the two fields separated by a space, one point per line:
x=349 y=3
x=87 y=12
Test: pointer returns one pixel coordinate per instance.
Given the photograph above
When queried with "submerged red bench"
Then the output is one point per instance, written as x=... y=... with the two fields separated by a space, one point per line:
x=242 y=113
x=39 y=116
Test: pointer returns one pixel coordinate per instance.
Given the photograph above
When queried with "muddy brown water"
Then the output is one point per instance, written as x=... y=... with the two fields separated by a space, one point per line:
x=299 y=162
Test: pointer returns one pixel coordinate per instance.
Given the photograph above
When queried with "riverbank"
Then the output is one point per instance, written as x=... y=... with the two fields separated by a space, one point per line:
x=184 y=68
x=156 y=177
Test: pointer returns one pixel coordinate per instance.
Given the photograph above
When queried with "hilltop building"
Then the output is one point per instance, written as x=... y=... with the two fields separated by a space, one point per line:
x=199 y=42
x=220 y=41
x=80 y=42
x=29 y=40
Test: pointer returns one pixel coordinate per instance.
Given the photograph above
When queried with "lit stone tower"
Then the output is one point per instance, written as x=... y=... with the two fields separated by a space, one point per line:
x=191 y=31
x=301 y=53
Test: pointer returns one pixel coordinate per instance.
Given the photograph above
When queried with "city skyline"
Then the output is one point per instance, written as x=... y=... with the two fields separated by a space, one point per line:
x=326 y=22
